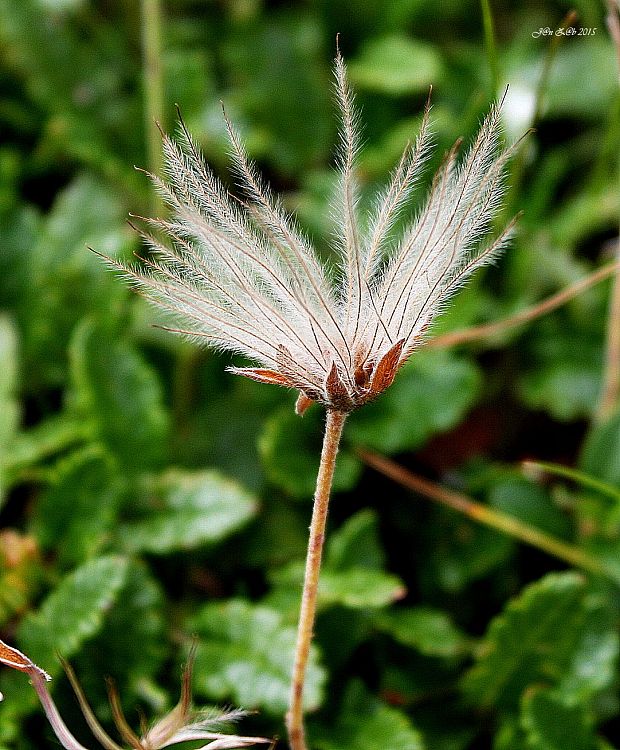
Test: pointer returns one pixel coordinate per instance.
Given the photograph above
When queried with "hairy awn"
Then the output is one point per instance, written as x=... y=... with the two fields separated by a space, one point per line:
x=242 y=277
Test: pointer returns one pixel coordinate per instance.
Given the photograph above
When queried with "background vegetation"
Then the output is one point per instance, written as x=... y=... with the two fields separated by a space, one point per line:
x=148 y=496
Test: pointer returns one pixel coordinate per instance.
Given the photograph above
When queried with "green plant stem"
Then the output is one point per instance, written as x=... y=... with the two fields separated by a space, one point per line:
x=543 y=82
x=185 y=384
x=611 y=378
x=331 y=441
x=585 y=480
x=489 y=45
x=487 y=516
x=153 y=81
x=518 y=166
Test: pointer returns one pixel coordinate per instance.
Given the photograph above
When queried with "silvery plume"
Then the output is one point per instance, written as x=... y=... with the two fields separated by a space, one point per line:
x=241 y=276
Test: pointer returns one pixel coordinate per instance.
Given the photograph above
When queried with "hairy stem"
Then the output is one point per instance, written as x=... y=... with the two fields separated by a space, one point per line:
x=331 y=441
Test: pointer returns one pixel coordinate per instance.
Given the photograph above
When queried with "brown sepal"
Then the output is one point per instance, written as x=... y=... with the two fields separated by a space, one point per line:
x=14 y=658
x=302 y=404
x=126 y=732
x=386 y=369
x=336 y=390
x=262 y=375
x=11 y=657
x=363 y=369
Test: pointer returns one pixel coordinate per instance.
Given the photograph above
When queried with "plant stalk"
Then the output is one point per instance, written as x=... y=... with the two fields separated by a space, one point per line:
x=483 y=514
x=331 y=441
x=153 y=82
x=578 y=477
x=490 y=46
x=611 y=377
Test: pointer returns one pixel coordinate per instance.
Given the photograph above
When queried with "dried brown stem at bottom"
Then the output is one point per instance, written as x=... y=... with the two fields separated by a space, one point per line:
x=331 y=442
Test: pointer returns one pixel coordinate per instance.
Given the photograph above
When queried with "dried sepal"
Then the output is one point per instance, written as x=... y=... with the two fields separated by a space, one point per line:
x=261 y=375
x=385 y=371
x=121 y=723
x=161 y=732
x=93 y=723
x=302 y=404
x=11 y=657
x=337 y=391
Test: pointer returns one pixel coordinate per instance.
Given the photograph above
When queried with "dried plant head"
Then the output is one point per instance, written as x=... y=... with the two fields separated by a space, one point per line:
x=240 y=276
x=182 y=724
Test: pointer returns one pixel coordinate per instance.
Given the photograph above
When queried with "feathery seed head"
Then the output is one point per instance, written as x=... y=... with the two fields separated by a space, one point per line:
x=242 y=277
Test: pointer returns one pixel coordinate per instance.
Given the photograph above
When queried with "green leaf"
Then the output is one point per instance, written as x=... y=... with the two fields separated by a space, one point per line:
x=78 y=100
x=356 y=544
x=569 y=74
x=356 y=587
x=396 y=65
x=366 y=723
x=430 y=395
x=291 y=448
x=247 y=654
x=136 y=618
x=20 y=230
x=598 y=516
x=563 y=355
x=554 y=632
x=52 y=436
x=67 y=281
x=569 y=389
x=8 y=377
x=120 y=394
x=600 y=454
x=509 y=736
x=429 y=631
x=288 y=123
x=360 y=588
x=75 y=513
x=73 y=612
x=583 y=214
x=520 y=498
x=551 y=723
x=458 y=551
x=190 y=509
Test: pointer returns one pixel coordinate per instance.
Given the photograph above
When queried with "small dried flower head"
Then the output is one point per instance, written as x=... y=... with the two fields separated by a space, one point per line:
x=183 y=723
x=242 y=277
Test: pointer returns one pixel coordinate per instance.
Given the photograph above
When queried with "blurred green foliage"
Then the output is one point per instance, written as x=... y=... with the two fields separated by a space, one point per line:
x=148 y=497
